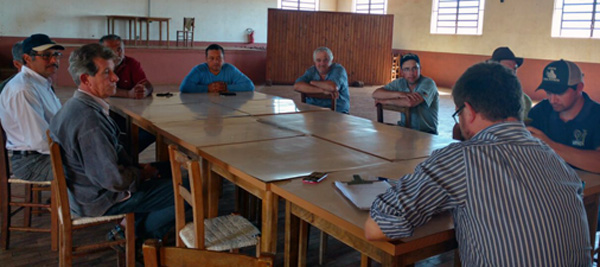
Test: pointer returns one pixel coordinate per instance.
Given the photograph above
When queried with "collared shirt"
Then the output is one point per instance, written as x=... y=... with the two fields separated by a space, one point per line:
x=423 y=117
x=130 y=73
x=27 y=104
x=514 y=201
x=102 y=102
x=200 y=77
x=336 y=74
x=582 y=132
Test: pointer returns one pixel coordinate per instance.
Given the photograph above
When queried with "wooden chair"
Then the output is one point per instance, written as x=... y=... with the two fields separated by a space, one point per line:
x=187 y=33
x=303 y=97
x=404 y=110
x=67 y=224
x=157 y=255
x=222 y=233
x=29 y=200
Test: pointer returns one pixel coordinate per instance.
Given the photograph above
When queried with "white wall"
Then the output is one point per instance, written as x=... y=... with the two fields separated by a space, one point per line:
x=220 y=21
x=523 y=25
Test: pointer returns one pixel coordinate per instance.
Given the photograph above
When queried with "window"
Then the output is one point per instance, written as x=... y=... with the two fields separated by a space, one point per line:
x=307 y=5
x=576 y=18
x=457 y=16
x=370 y=6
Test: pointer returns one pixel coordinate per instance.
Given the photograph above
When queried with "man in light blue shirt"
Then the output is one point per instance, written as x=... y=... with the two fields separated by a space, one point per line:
x=414 y=91
x=325 y=77
x=215 y=75
x=27 y=104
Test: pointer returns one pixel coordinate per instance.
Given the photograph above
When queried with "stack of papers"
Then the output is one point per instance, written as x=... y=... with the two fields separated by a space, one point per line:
x=362 y=195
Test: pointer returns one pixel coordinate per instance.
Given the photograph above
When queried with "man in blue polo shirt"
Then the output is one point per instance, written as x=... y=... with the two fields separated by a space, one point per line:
x=568 y=120
x=328 y=78
x=415 y=91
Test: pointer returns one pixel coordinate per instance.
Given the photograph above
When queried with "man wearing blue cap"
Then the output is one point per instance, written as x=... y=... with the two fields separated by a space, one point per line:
x=27 y=104
x=568 y=119
x=414 y=91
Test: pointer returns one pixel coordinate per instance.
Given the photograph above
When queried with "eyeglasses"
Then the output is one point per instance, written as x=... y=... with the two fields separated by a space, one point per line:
x=47 y=56
x=458 y=111
x=413 y=69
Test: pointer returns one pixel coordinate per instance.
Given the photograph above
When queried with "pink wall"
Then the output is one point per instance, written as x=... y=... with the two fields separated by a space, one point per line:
x=445 y=68
x=162 y=66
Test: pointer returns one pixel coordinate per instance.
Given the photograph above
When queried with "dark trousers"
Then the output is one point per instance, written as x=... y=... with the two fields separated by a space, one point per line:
x=153 y=206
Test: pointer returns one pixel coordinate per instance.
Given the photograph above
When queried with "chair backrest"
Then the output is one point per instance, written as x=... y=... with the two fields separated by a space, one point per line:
x=194 y=196
x=189 y=24
x=4 y=165
x=59 y=186
x=303 y=97
x=404 y=110
x=157 y=255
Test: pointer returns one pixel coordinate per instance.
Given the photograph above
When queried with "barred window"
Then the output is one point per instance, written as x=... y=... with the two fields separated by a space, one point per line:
x=370 y=6
x=457 y=17
x=307 y=5
x=576 y=19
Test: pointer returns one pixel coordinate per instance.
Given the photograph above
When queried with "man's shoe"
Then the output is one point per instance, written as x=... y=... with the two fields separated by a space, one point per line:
x=115 y=234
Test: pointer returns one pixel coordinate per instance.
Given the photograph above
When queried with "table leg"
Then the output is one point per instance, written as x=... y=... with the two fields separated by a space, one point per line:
x=302 y=243
x=292 y=226
x=107 y=25
x=129 y=24
x=365 y=261
x=113 y=27
x=135 y=39
x=213 y=181
x=168 y=33
x=147 y=32
x=269 y=222
x=160 y=33
x=162 y=149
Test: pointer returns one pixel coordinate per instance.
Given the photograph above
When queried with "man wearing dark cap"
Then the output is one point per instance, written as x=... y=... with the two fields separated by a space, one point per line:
x=506 y=57
x=27 y=104
x=568 y=119
x=415 y=91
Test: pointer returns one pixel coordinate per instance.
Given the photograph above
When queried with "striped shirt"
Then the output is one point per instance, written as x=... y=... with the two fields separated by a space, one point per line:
x=515 y=202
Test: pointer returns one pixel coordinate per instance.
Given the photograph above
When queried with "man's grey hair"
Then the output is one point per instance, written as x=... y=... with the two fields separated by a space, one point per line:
x=110 y=37
x=81 y=60
x=323 y=49
x=17 y=52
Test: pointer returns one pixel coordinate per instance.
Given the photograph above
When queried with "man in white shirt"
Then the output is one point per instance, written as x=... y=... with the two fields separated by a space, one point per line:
x=27 y=104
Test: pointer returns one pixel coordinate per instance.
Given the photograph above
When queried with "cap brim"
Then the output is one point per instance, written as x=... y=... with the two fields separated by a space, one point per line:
x=47 y=46
x=552 y=87
x=519 y=61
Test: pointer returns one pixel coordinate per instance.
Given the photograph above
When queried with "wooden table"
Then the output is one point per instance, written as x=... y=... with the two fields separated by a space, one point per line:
x=385 y=141
x=149 y=20
x=324 y=207
x=132 y=22
x=255 y=166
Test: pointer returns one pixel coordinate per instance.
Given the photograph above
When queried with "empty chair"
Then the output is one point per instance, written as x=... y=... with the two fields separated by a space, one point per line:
x=404 y=110
x=157 y=255
x=67 y=224
x=187 y=34
x=217 y=234
x=29 y=200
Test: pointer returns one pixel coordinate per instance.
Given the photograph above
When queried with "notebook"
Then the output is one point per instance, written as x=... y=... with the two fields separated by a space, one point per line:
x=362 y=195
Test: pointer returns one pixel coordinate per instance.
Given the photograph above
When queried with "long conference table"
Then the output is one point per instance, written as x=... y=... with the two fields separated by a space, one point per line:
x=263 y=143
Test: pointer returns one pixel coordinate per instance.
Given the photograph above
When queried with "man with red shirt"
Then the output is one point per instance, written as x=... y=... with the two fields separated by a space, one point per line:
x=132 y=79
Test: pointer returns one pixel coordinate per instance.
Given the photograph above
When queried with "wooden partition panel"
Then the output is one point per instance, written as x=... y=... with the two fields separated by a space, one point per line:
x=361 y=43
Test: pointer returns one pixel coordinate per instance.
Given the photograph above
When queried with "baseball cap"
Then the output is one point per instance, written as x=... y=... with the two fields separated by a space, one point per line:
x=39 y=42
x=407 y=57
x=504 y=52
x=559 y=75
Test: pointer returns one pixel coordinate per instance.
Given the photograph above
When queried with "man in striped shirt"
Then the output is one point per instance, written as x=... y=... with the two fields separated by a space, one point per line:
x=515 y=202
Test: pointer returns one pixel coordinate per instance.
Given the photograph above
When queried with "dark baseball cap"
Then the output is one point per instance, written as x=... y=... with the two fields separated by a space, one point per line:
x=39 y=42
x=407 y=57
x=559 y=76
x=503 y=53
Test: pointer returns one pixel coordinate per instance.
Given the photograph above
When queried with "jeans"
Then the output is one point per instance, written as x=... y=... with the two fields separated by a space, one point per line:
x=33 y=167
x=153 y=206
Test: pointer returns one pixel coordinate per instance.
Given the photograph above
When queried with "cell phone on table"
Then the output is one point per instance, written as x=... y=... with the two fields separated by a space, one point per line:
x=314 y=178
x=227 y=93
